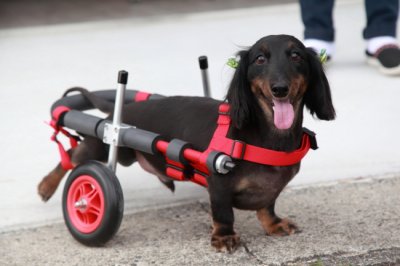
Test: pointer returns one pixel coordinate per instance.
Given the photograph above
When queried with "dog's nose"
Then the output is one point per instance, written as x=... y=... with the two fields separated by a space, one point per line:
x=280 y=90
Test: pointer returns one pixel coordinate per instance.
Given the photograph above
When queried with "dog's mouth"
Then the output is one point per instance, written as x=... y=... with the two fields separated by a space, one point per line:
x=283 y=113
x=279 y=110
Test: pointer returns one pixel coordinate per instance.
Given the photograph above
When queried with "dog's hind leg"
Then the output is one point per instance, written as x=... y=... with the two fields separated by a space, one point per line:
x=89 y=149
x=50 y=182
x=148 y=167
x=273 y=225
x=168 y=182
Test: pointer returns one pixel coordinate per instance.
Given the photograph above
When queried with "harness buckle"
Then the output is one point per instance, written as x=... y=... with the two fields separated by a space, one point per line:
x=238 y=149
x=311 y=137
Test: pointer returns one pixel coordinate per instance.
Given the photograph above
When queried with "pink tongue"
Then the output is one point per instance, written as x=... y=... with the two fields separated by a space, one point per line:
x=283 y=114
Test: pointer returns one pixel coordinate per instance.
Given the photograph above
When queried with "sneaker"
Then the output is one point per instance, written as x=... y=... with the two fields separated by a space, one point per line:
x=387 y=59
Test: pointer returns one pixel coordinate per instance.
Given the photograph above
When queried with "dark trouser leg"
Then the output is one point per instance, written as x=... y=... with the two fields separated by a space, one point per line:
x=317 y=19
x=381 y=18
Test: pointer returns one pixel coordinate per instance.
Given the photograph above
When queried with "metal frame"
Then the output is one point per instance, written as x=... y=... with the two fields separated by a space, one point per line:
x=112 y=131
x=116 y=134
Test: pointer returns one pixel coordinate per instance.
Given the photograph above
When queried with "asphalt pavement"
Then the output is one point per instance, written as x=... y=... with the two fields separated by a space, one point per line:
x=353 y=222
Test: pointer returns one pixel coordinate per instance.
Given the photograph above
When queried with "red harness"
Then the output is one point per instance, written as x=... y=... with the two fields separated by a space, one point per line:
x=242 y=151
x=237 y=150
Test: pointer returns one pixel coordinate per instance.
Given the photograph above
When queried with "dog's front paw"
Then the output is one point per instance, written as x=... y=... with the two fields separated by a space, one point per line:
x=226 y=242
x=284 y=227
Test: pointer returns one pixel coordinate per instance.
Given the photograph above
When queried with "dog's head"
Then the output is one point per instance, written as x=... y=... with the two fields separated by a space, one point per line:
x=278 y=76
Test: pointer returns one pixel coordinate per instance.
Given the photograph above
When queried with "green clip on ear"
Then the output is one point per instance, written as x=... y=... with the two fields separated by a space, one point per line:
x=323 y=57
x=233 y=62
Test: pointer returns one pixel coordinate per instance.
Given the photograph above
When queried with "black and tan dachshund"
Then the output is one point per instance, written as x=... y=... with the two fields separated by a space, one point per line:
x=273 y=82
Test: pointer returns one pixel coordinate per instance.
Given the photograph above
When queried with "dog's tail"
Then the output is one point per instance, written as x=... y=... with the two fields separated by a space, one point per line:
x=98 y=102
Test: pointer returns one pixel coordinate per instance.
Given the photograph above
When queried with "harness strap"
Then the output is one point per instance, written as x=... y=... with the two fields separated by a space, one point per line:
x=73 y=139
x=65 y=158
x=242 y=151
x=141 y=96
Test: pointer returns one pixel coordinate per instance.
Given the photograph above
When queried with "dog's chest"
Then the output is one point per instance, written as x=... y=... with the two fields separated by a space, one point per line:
x=260 y=187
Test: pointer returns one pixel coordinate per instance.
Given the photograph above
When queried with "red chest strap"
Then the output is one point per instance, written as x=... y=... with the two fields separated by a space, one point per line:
x=242 y=151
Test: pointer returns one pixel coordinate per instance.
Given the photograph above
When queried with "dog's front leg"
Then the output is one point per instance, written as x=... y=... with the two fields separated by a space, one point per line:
x=273 y=225
x=223 y=235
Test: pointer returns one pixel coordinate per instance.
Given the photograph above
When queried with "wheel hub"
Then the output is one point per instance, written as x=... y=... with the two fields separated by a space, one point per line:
x=81 y=204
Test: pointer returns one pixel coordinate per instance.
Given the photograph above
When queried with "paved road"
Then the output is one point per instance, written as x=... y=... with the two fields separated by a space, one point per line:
x=349 y=223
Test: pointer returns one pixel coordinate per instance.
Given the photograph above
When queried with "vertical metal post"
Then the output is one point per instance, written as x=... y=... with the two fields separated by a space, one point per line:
x=203 y=62
x=119 y=102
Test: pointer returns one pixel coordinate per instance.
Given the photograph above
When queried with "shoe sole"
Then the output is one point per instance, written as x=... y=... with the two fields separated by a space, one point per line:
x=394 y=71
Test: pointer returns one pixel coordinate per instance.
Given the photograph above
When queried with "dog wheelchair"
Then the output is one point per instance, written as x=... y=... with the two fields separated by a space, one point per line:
x=92 y=200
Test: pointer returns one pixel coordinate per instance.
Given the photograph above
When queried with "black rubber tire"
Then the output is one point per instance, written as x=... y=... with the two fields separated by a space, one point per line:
x=113 y=203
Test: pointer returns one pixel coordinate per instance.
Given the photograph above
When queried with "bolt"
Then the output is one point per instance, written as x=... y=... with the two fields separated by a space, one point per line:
x=81 y=204
x=229 y=165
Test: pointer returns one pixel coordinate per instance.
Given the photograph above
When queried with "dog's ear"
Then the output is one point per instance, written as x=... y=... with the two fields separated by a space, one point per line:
x=239 y=94
x=318 y=95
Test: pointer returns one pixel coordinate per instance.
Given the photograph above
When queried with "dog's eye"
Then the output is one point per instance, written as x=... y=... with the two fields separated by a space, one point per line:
x=295 y=56
x=260 y=60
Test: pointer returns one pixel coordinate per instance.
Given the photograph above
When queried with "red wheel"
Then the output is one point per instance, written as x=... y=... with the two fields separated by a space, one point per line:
x=92 y=203
x=85 y=204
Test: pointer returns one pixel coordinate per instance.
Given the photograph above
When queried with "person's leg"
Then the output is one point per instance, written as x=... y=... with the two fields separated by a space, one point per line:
x=380 y=35
x=381 y=18
x=317 y=17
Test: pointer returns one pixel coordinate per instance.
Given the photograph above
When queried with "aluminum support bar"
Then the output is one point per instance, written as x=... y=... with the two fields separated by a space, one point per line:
x=116 y=124
x=203 y=63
